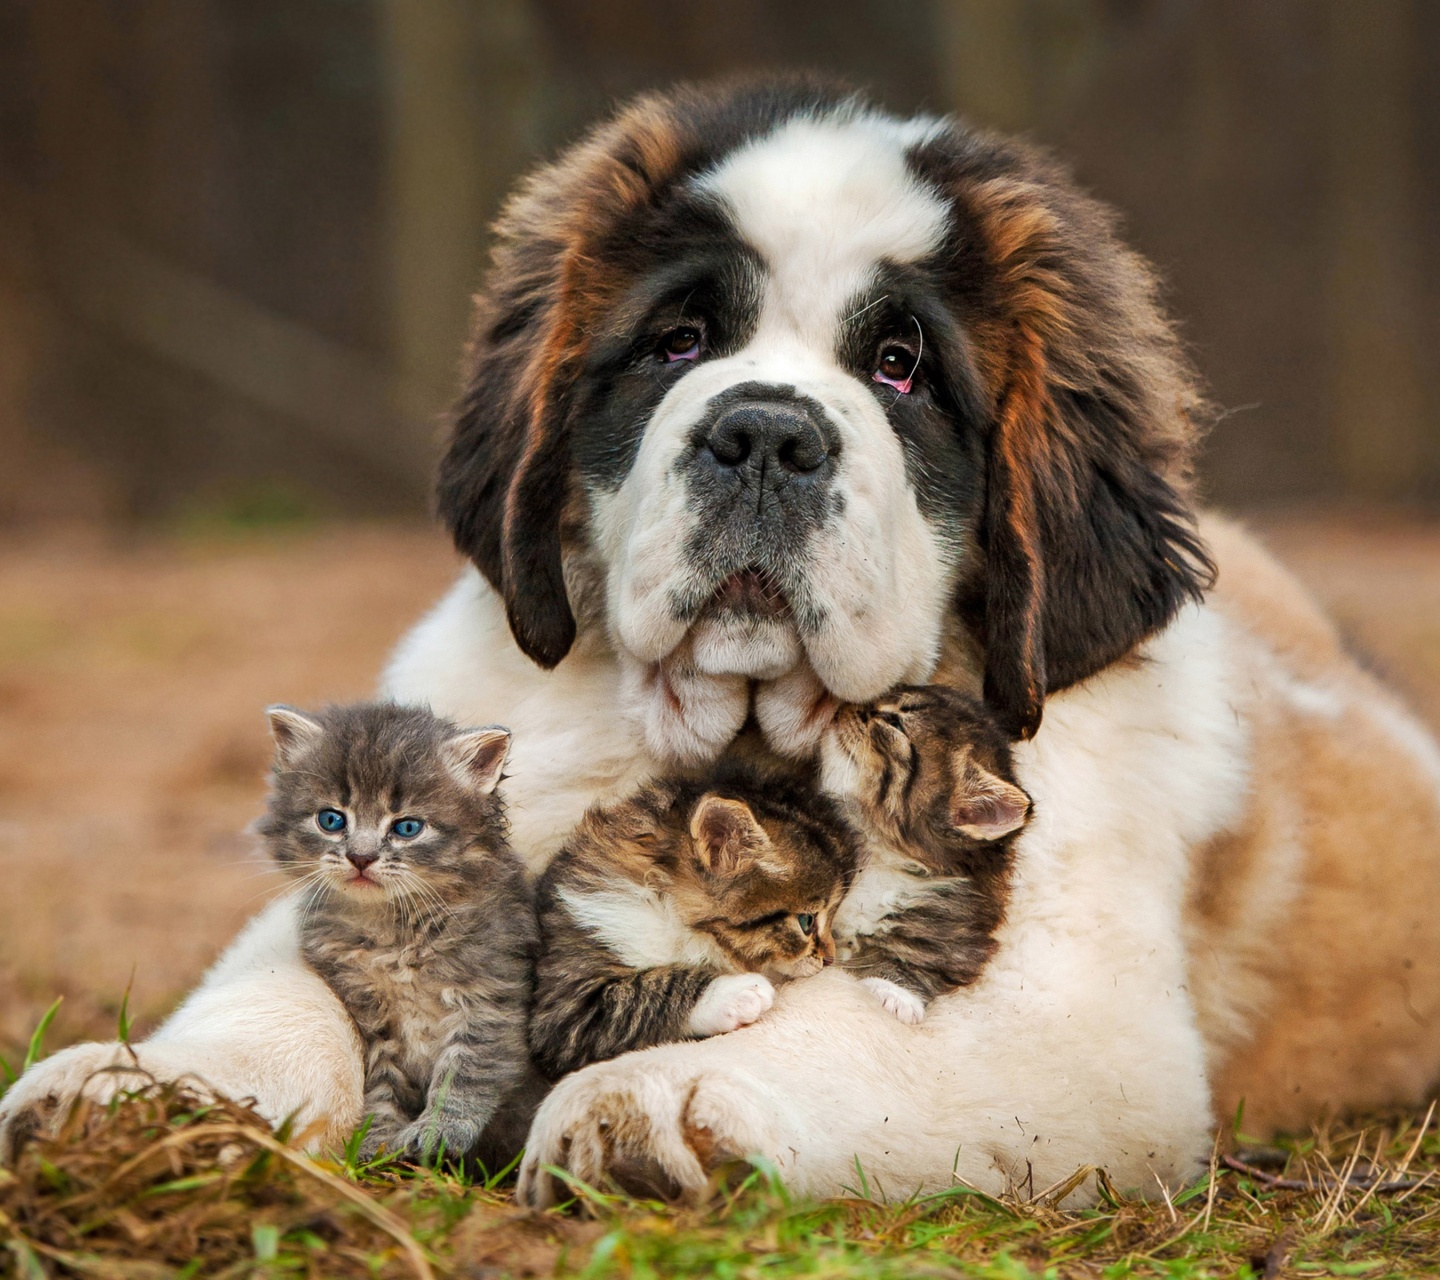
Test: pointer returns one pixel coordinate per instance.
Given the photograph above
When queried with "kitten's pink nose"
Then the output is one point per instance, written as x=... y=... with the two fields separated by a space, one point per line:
x=362 y=860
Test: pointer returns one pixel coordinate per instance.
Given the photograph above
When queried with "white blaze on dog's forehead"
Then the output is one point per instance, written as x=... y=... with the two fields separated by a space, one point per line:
x=823 y=202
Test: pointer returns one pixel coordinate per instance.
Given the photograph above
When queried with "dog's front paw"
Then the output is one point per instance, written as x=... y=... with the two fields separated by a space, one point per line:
x=905 y=1005
x=42 y=1096
x=650 y=1125
x=732 y=1001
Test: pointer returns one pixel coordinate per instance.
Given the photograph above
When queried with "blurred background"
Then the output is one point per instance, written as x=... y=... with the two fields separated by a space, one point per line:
x=237 y=237
x=237 y=240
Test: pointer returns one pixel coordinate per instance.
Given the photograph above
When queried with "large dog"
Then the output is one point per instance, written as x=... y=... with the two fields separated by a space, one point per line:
x=777 y=400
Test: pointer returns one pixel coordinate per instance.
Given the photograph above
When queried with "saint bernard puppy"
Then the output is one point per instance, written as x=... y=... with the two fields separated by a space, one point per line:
x=776 y=400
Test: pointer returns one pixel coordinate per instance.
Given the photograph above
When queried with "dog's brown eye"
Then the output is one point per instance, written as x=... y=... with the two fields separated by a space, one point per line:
x=896 y=368
x=682 y=343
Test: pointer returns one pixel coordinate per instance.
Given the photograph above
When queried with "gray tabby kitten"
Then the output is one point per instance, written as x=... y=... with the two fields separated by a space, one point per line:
x=417 y=915
x=925 y=774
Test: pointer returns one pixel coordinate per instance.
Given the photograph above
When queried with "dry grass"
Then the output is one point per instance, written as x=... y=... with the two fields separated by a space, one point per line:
x=155 y=1185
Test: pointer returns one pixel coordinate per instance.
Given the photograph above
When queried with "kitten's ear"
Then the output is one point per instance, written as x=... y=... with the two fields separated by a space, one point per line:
x=293 y=731
x=727 y=836
x=478 y=756
x=983 y=806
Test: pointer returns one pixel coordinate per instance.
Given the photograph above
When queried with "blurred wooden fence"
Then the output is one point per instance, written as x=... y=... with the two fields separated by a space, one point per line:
x=237 y=237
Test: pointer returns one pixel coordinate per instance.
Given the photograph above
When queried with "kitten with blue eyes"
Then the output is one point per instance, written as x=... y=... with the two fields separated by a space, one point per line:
x=417 y=914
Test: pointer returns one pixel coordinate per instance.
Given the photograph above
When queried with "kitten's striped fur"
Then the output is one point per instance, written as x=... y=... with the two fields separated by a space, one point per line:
x=658 y=901
x=925 y=774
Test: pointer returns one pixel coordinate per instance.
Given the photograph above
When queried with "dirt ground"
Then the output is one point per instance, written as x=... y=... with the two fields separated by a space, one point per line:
x=133 y=744
x=133 y=748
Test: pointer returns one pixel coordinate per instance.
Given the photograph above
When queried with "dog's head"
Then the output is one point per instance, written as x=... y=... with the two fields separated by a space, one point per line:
x=770 y=373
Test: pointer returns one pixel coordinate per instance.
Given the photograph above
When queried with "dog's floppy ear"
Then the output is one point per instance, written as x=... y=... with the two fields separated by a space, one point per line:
x=506 y=476
x=1088 y=533
x=502 y=480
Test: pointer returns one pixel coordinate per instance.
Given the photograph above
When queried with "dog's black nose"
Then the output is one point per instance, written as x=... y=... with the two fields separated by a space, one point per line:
x=768 y=438
x=362 y=860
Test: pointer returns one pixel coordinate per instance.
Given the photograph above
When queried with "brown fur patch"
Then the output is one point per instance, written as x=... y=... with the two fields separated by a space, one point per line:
x=1315 y=926
x=1014 y=617
x=550 y=281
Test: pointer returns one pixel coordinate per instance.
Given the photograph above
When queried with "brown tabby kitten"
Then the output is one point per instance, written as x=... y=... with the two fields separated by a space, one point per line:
x=925 y=774
x=417 y=915
x=671 y=913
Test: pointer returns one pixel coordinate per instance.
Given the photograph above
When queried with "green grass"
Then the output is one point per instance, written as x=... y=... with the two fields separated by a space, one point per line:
x=155 y=1185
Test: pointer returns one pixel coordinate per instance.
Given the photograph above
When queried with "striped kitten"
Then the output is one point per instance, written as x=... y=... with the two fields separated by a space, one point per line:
x=670 y=914
x=925 y=775
x=417 y=915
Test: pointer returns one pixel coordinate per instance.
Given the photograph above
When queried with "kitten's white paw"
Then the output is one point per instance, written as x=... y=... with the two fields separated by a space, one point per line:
x=905 y=1005
x=731 y=1001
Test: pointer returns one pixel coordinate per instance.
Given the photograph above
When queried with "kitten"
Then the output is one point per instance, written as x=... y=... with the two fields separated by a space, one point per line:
x=925 y=774
x=670 y=914
x=417 y=914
